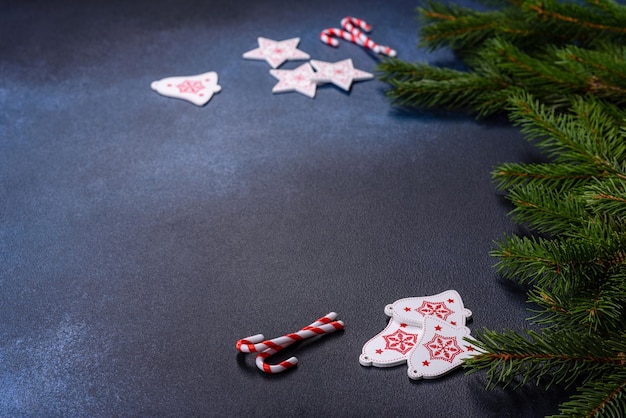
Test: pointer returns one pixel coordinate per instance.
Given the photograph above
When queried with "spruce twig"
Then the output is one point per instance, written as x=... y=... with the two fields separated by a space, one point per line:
x=567 y=95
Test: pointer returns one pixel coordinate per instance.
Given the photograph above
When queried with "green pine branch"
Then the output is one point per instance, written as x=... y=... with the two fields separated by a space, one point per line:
x=522 y=23
x=582 y=54
x=547 y=358
x=567 y=95
x=599 y=398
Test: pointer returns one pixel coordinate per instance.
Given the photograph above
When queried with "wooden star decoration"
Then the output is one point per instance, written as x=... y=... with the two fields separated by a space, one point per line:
x=277 y=52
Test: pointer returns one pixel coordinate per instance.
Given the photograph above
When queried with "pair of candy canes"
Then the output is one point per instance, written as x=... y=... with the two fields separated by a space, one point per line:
x=267 y=348
x=353 y=34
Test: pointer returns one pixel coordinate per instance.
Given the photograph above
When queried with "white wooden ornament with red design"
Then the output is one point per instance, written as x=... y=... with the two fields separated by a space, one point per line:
x=197 y=89
x=440 y=349
x=341 y=73
x=410 y=319
x=447 y=306
x=276 y=52
x=391 y=346
x=298 y=79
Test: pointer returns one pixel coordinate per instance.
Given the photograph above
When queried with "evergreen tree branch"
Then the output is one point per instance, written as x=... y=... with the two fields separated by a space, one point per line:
x=595 y=399
x=550 y=357
x=551 y=175
x=444 y=88
x=568 y=96
x=462 y=28
x=563 y=265
x=547 y=210
x=598 y=310
x=575 y=16
x=608 y=197
x=562 y=136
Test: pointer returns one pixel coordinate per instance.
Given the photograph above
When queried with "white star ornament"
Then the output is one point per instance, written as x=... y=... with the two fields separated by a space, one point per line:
x=277 y=52
x=298 y=79
x=341 y=73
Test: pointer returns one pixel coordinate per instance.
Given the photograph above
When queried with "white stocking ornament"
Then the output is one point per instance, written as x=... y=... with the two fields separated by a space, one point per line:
x=441 y=349
x=425 y=332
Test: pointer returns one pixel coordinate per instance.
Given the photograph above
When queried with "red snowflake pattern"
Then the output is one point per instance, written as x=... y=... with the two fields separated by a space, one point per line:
x=443 y=348
x=438 y=309
x=189 y=86
x=400 y=341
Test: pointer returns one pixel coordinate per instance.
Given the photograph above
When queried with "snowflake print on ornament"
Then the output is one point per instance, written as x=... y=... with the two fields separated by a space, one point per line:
x=400 y=341
x=447 y=306
x=424 y=332
x=197 y=89
x=276 y=52
x=391 y=346
x=440 y=349
x=190 y=86
x=438 y=309
x=298 y=80
x=341 y=73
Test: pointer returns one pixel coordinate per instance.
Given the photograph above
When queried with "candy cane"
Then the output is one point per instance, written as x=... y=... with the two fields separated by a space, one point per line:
x=255 y=343
x=289 y=339
x=349 y=24
x=267 y=348
x=327 y=36
x=353 y=33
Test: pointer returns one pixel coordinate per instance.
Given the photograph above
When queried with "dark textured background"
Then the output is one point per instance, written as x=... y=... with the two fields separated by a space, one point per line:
x=141 y=236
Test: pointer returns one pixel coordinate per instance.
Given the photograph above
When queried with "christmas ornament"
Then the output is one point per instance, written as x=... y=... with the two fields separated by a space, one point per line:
x=391 y=346
x=341 y=73
x=407 y=326
x=277 y=52
x=197 y=89
x=299 y=79
x=447 y=306
x=354 y=35
x=267 y=348
x=440 y=349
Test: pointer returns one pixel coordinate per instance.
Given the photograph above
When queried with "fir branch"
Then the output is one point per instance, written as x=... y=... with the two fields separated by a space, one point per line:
x=567 y=94
x=608 y=197
x=448 y=89
x=600 y=130
x=550 y=357
x=533 y=73
x=604 y=398
x=598 y=310
x=562 y=265
x=566 y=138
x=550 y=175
x=547 y=210
x=522 y=22
x=577 y=18
x=393 y=69
x=497 y=45
x=462 y=28
x=499 y=69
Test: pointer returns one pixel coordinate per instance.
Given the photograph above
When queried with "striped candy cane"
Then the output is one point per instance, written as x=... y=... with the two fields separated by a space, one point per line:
x=328 y=36
x=351 y=23
x=267 y=348
x=353 y=33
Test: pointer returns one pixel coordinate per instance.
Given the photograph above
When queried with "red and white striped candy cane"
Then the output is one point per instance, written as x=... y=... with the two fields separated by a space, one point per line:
x=255 y=343
x=265 y=349
x=289 y=339
x=350 y=23
x=328 y=36
x=353 y=33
